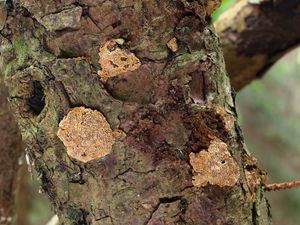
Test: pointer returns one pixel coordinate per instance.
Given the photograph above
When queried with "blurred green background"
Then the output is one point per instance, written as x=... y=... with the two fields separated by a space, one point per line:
x=269 y=113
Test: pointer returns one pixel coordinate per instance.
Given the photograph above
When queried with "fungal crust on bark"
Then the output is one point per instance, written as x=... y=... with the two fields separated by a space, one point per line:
x=214 y=166
x=173 y=45
x=86 y=134
x=116 y=61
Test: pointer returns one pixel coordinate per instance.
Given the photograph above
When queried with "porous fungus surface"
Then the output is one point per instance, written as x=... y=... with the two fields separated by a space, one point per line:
x=214 y=166
x=86 y=134
x=115 y=61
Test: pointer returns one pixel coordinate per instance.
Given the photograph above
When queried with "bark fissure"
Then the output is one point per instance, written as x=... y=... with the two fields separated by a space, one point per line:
x=254 y=214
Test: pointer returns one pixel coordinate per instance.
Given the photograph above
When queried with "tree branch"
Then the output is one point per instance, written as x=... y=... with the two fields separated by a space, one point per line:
x=282 y=186
x=255 y=35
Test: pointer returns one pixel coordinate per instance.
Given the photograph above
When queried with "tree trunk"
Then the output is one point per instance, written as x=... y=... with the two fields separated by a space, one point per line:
x=128 y=114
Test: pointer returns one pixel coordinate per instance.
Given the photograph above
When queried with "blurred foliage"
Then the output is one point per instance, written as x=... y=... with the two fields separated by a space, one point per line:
x=39 y=211
x=226 y=4
x=34 y=207
x=269 y=113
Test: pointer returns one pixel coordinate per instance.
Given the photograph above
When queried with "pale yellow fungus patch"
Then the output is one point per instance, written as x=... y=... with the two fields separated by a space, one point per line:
x=86 y=134
x=120 y=41
x=214 y=166
x=172 y=45
x=116 y=61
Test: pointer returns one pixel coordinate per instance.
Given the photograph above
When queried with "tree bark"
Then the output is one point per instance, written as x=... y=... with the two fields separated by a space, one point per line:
x=151 y=75
x=255 y=35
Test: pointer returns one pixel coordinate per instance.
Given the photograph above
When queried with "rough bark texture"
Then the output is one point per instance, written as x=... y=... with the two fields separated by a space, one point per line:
x=10 y=153
x=170 y=112
x=255 y=35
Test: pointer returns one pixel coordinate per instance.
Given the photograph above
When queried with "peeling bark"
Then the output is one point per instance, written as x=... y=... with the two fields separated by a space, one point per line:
x=162 y=117
x=255 y=34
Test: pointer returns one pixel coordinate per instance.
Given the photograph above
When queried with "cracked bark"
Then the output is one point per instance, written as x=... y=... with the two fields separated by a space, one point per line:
x=147 y=178
x=255 y=35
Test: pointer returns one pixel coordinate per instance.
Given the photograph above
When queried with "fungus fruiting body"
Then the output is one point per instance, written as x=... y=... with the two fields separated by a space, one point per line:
x=115 y=60
x=173 y=45
x=214 y=166
x=86 y=134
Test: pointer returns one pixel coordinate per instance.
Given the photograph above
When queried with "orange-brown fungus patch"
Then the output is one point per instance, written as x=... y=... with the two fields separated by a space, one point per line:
x=115 y=61
x=172 y=45
x=86 y=134
x=214 y=166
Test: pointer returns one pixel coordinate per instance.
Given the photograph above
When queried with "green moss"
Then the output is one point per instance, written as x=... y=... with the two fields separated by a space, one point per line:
x=28 y=51
x=22 y=49
x=25 y=50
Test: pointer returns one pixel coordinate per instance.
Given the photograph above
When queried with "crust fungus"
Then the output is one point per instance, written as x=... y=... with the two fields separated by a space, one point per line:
x=116 y=61
x=214 y=166
x=172 y=45
x=86 y=134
